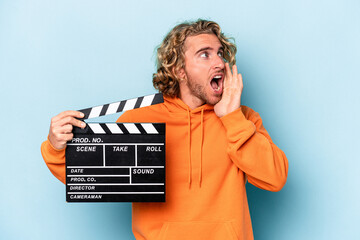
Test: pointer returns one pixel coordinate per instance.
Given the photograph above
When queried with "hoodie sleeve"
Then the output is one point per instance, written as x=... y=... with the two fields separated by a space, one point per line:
x=54 y=159
x=252 y=150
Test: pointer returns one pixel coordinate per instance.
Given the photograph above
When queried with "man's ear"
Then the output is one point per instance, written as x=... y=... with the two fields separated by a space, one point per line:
x=179 y=73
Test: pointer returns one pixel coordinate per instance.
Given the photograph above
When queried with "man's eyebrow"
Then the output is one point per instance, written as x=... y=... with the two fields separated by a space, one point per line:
x=203 y=49
x=208 y=48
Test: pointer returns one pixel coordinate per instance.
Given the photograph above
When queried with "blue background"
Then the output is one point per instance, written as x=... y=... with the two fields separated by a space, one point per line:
x=299 y=61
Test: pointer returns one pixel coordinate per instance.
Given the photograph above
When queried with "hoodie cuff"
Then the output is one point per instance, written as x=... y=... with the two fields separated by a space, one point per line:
x=49 y=150
x=237 y=121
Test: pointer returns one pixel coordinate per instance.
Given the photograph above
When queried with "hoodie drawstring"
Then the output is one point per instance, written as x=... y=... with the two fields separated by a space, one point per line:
x=201 y=145
x=189 y=139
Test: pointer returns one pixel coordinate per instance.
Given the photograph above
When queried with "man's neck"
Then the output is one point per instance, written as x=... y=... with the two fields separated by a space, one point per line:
x=188 y=97
x=192 y=101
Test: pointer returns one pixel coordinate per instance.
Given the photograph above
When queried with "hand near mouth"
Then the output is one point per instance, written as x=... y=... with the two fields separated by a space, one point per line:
x=231 y=96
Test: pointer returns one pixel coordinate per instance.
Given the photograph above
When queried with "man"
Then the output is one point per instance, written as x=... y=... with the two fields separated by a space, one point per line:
x=213 y=144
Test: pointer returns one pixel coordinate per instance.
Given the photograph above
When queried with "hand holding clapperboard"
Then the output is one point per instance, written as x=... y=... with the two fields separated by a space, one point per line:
x=117 y=162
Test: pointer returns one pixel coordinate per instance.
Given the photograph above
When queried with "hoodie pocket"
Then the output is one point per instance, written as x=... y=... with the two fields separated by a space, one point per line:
x=197 y=230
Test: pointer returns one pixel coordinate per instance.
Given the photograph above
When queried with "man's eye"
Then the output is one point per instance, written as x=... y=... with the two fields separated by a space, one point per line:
x=204 y=55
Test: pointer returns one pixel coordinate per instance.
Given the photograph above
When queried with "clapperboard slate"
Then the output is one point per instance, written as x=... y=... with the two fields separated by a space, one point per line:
x=117 y=162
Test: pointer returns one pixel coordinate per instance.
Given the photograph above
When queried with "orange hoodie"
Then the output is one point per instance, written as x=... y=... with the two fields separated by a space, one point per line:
x=208 y=160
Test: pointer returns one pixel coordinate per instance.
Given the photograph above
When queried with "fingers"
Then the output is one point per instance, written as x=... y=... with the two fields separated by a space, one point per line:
x=61 y=127
x=59 y=141
x=68 y=117
x=67 y=137
x=67 y=128
x=234 y=71
x=240 y=80
x=235 y=81
x=70 y=113
x=70 y=120
x=232 y=77
x=228 y=75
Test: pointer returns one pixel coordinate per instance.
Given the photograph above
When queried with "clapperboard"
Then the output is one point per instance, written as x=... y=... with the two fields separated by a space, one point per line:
x=117 y=162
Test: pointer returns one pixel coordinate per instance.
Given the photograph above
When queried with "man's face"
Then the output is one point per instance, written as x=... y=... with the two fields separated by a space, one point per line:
x=204 y=70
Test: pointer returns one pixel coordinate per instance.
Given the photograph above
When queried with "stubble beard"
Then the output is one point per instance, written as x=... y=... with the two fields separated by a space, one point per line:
x=199 y=91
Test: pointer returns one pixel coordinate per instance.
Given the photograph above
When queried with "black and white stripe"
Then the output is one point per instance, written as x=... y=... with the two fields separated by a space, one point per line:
x=122 y=106
x=122 y=128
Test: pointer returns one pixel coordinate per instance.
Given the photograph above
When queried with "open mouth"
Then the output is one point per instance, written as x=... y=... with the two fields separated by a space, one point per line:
x=217 y=83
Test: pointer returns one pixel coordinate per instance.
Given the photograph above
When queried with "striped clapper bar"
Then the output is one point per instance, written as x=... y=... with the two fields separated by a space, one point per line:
x=117 y=162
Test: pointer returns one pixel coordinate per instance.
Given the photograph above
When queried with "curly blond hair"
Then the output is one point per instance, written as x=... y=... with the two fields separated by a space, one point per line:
x=170 y=54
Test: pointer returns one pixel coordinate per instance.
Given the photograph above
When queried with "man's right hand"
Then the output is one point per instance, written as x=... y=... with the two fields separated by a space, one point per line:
x=61 y=128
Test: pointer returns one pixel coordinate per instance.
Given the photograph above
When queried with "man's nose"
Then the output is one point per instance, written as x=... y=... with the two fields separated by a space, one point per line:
x=219 y=62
